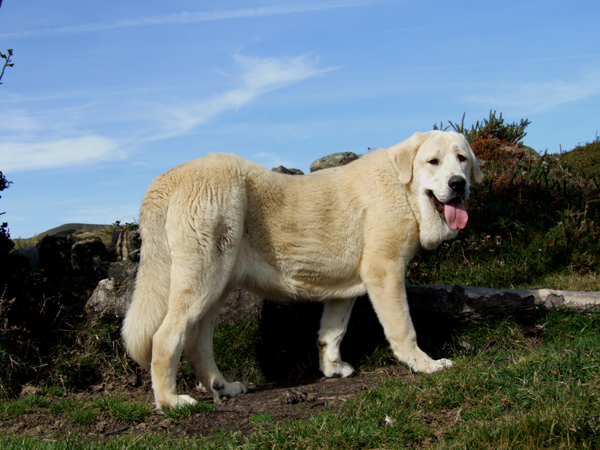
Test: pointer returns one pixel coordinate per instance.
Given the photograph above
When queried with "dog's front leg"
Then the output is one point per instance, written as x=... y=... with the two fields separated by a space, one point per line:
x=334 y=322
x=385 y=284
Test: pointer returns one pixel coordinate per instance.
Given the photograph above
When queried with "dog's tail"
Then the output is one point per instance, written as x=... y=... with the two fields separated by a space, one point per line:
x=150 y=298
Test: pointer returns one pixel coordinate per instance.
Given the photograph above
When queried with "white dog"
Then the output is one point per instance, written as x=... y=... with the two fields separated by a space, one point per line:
x=221 y=222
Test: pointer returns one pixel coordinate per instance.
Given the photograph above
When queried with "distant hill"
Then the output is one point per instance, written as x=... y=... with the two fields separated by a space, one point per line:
x=67 y=226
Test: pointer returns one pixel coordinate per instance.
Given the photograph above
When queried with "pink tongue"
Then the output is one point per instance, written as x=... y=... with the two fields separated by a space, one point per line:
x=456 y=214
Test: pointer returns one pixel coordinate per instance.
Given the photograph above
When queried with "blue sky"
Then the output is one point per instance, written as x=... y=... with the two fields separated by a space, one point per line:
x=105 y=95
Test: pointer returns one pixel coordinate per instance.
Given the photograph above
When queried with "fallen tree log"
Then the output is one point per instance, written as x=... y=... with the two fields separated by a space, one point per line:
x=482 y=304
x=288 y=329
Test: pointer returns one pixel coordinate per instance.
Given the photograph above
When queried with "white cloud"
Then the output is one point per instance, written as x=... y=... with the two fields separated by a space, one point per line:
x=537 y=97
x=20 y=156
x=259 y=76
x=195 y=17
x=18 y=122
x=54 y=140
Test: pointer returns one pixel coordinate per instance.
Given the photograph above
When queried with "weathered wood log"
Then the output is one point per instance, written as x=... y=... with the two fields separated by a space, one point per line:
x=288 y=329
x=481 y=303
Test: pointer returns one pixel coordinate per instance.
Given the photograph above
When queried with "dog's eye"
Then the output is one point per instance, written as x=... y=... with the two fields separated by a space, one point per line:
x=434 y=162
x=462 y=158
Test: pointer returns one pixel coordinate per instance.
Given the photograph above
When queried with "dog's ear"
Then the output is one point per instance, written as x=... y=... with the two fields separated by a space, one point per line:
x=476 y=172
x=403 y=155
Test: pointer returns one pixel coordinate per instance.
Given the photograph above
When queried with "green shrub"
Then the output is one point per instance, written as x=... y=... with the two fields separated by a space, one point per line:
x=492 y=127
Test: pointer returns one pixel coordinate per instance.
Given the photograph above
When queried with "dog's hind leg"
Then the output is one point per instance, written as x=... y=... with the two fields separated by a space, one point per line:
x=334 y=322
x=195 y=290
x=199 y=353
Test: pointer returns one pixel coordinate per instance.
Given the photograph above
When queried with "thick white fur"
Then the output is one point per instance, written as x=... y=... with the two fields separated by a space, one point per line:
x=221 y=222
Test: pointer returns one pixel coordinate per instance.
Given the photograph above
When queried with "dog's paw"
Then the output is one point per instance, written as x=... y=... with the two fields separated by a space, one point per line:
x=183 y=400
x=337 y=369
x=175 y=401
x=229 y=390
x=431 y=365
x=233 y=389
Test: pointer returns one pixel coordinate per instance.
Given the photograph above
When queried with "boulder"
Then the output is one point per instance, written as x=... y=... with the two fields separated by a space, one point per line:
x=27 y=258
x=55 y=252
x=523 y=152
x=71 y=251
x=286 y=171
x=87 y=252
x=113 y=294
x=333 y=160
x=125 y=245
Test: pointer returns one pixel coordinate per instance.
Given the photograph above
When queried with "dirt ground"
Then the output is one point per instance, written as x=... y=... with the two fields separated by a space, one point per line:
x=297 y=401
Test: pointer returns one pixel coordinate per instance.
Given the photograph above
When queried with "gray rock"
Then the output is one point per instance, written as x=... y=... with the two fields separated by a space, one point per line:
x=87 y=252
x=55 y=252
x=523 y=152
x=113 y=295
x=125 y=245
x=75 y=251
x=287 y=171
x=333 y=160
x=28 y=257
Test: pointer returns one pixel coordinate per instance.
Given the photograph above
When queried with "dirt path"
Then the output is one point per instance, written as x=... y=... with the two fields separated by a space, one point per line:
x=299 y=401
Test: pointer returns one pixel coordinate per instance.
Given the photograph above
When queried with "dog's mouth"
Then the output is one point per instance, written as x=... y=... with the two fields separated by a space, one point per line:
x=454 y=212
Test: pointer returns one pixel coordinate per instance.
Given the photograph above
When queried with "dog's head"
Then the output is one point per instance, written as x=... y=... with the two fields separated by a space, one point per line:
x=438 y=166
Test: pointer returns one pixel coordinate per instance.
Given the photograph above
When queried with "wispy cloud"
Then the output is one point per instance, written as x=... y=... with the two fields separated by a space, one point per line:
x=194 y=17
x=259 y=76
x=30 y=144
x=542 y=96
x=53 y=153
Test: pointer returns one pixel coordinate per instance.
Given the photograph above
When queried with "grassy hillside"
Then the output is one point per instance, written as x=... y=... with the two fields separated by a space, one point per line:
x=533 y=223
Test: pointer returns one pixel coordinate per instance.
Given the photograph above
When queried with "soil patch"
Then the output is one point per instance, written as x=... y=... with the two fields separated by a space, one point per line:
x=273 y=401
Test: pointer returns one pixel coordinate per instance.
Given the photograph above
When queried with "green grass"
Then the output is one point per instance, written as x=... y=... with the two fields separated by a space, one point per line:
x=189 y=410
x=236 y=351
x=512 y=386
x=261 y=418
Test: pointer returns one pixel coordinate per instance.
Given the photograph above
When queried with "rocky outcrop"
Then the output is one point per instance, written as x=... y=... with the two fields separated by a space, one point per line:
x=113 y=294
x=286 y=171
x=124 y=246
x=71 y=251
x=25 y=258
x=522 y=152
x=333 y=160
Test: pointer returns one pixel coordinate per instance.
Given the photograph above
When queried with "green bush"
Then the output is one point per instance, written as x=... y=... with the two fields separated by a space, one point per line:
x=493 y=127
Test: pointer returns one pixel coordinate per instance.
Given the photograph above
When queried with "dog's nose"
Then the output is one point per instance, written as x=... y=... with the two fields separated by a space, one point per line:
x=457 y=183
